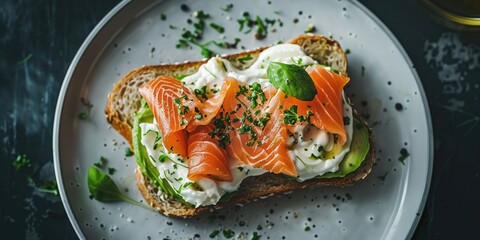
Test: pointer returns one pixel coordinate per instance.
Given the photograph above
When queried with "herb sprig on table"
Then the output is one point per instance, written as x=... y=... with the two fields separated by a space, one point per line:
x=23 y=164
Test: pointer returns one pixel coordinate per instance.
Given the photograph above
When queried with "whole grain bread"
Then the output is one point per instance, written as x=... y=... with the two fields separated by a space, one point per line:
x=124 y=102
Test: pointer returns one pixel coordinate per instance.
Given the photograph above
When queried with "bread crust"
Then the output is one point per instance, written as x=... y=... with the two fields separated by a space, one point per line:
x=124 y=101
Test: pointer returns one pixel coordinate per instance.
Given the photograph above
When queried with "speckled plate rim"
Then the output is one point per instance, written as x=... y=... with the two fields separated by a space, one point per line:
x=97 y=30
x=58 y=111
x=421 y=204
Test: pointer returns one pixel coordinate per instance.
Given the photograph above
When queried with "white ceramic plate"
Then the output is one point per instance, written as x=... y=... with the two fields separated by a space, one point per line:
x=133 y=34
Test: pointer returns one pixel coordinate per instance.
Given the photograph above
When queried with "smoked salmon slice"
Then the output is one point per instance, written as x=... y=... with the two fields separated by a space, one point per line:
x=206 y=159
x=172 y=105
x=257 y=136
x=210 y=107
x=326 y=108
x=176 y=108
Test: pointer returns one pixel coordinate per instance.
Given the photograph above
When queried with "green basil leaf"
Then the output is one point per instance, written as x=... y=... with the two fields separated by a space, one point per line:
x=293 y=80
x=102 y=187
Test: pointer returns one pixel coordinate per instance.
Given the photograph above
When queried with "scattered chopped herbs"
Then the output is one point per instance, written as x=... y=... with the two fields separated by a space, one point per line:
x=261 y=32
x=182 y=109
x=128 y=152
x=217 y=27
x=290 y=116
x=244 y=59
x=227 y=8
x=256 y=93
x=228 y=233
x=227 y=45
x=200 y=14
x=214 y=233
x=347 y=51
x=86 y=114
x=255 y=236
x=22 y=162
x=245 y=22
x=201 y=93
x=310 y=28
x=374 y=124
x=278 y=12
x=163 y=17
x=346 y=121
x=111 y=170
x=403 y=155
x=307 y=228
x=101 y=162
x=172 y=27
x=221 y=130
x=384 y=176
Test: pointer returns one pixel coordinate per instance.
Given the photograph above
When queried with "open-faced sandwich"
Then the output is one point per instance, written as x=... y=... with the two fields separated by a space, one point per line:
x=236 y=128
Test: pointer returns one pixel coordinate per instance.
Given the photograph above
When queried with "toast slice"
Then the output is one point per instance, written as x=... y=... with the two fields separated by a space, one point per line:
x=124 y=102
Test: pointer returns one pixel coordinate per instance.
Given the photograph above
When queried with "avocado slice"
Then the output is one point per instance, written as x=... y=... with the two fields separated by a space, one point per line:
x=144 y=115
x=358 y=151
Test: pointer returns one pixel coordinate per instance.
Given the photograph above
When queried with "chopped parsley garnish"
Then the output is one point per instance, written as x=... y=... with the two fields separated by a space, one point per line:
x=346 y=121
x=255 y=236
x=228 y=45
x=200 y=15
x=347 y=51
x=163 y=17
x=101 y=162
x=194 y=36
x=111 y=170
x=22 y=162
x=182 y=109
x=383 y=177
x=403 y=155
x=256 y=93
x=217 y=27
x=261 y=32
x=244 y=59
x=310 y=28
x=220 y=131
x=86 y=114
x=243 y=90
x=202 y=93
x=227 y=233
x=307 y=228
x=227 y=8
x=245 y=22
x=291 y=116
x=128 y=152
x=214 y=233
x=248 y=129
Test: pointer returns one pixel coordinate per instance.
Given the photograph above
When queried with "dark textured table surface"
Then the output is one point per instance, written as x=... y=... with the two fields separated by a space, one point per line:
x=38 y=40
